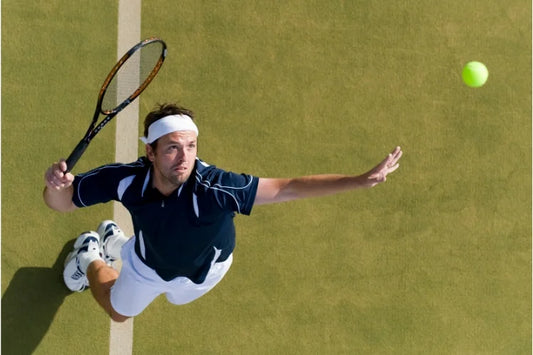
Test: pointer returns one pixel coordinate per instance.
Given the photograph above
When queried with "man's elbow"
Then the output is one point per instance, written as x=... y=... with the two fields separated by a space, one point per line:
x=61 y=208
x=59 y=205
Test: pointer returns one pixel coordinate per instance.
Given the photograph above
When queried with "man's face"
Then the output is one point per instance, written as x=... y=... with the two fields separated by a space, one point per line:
x=173 y=160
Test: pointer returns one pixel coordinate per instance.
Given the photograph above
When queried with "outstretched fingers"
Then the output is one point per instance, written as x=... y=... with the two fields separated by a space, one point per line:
x=387 y=166
x=392 y=160
x=395 y=156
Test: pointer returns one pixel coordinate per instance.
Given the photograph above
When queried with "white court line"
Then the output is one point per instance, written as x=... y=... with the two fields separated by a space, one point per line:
x=126 y=146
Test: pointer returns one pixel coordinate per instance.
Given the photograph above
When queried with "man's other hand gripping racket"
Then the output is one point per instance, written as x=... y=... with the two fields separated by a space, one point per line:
x=124 y=83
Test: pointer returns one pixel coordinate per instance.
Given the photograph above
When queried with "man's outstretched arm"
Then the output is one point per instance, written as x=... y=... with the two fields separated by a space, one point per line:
x=273 y=190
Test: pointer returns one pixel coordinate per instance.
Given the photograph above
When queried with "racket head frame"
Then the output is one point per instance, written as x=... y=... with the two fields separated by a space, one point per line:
x=93 y=128
x=141 y=87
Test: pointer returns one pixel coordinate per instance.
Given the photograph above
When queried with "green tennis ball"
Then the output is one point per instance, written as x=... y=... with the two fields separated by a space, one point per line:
x=475 y=74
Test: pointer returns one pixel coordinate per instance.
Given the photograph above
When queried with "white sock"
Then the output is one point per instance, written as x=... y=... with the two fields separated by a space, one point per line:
x=114 y=245
x=86 y=258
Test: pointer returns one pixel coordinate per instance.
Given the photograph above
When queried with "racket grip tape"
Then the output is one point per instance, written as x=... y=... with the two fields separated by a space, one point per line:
x=76 y=154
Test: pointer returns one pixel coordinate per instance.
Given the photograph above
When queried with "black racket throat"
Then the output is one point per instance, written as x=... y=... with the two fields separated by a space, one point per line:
x=76 y=154
x=83 y=143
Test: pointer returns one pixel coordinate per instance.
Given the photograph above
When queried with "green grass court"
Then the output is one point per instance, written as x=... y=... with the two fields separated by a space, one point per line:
x=435 y=261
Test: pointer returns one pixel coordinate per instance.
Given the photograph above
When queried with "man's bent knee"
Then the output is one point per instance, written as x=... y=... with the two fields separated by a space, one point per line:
x=119 y=318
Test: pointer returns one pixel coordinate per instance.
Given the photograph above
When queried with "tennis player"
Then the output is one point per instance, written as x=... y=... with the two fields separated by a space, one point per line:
x=182 y=210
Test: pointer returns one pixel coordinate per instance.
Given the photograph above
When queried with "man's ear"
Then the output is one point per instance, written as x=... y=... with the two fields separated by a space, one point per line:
x=150 y=154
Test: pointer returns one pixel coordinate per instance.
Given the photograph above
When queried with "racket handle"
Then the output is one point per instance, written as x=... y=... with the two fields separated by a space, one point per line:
x=76 y=154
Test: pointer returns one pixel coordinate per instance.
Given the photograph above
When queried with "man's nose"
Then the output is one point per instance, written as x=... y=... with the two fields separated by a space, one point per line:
x=180 y=154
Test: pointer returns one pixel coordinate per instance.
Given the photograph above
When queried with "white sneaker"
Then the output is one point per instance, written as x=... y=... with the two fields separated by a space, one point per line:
x=108 y=231
x=74 y=277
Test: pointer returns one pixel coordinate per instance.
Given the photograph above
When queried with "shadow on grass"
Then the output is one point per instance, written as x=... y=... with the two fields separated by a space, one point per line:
x=30 y=303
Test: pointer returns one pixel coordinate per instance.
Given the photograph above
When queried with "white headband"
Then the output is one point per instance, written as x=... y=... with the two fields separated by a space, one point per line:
x=169 y=124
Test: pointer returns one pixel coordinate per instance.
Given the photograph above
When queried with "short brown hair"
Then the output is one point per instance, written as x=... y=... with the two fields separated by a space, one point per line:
x=163 y=110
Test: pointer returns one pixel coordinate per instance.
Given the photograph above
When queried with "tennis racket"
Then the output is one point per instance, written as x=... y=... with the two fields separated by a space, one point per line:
x=128 y=78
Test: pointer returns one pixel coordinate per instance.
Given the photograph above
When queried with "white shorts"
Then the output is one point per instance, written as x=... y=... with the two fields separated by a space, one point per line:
x=138 y=285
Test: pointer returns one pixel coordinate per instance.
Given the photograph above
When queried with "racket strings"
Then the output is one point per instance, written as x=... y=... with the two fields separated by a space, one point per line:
x=133 y=75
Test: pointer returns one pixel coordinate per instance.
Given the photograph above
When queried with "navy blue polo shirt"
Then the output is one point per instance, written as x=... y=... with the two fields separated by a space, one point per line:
x=177 y=234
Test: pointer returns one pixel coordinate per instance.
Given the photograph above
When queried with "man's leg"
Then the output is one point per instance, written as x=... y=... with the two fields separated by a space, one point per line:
x=103 y=275
x=130 y=292
x=101 y=278
x=84 y=267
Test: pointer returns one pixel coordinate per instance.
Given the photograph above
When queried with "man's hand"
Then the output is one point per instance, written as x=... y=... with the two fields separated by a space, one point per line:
x=387 y=166
x=58 y=191
x=56 y=179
